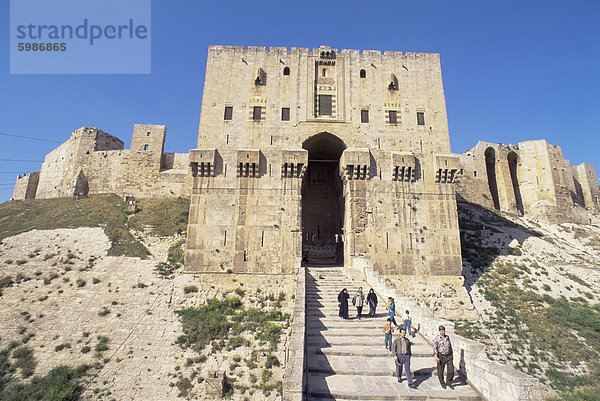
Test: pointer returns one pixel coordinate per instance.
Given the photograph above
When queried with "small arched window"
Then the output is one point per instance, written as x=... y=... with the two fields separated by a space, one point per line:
x=363 y=73
x=286 y=71
x=324 y=72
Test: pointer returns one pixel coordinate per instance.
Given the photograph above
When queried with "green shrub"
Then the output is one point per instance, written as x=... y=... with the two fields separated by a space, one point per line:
x=266 y=375
x=272 y=361
x=102 y=344
x=24 y=360
x=189 y=289
x=21 y=262
x=62 y=346
x=85 y=349
x=60 y=384
x=105 y=311
x=205 y=323
x=80 y=282
x=183 y=385
x=236 y=342
x=5 y=282
x=48 y=280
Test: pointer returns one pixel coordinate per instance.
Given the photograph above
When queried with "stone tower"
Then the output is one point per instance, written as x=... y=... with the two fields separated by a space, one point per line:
x=324 y=155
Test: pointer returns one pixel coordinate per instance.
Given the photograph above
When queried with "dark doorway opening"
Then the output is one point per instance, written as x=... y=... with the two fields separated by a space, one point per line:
x=512 y=165
x=323 y=201
x=81 y=185
x=490 y=166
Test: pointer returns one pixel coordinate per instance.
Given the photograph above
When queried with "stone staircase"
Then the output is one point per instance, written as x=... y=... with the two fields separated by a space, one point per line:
x=347 y=359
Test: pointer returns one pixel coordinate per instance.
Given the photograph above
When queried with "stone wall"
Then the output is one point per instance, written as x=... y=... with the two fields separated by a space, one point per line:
x=443 y=296
x=590 y=191
x=94 y=162
x=26 y=186
x=294 y=379
x=496 y=382
x=531 y=178
x=446 y=296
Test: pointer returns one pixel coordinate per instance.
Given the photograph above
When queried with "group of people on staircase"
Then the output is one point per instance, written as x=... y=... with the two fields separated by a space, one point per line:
x=358 y=300
x=401 y=346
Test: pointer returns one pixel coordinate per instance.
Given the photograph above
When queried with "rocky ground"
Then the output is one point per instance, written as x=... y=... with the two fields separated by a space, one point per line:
x=72 y=304
x=560 y=250
x=536 y=288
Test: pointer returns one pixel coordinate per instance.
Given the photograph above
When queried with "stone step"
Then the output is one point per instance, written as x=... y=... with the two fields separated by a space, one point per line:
x=362 y=387
x=367 y=351
x=333 y=306
x=334 y=313
x=333 y=321
x=367 y=366
x=321 y=289
x=328 y=277
x=377 y=329
x=325 y=340
x=323 y=302
x=331 y=285
x=358 y=332
x=334 y=281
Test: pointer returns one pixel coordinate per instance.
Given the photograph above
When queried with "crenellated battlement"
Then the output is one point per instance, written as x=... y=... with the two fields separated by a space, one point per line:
x=316 y=52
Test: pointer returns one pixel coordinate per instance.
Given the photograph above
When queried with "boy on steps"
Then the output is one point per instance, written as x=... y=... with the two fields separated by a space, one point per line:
x=388 y=329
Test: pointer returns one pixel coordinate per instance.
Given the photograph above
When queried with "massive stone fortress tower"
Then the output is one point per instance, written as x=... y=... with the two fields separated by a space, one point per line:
x=333 y=156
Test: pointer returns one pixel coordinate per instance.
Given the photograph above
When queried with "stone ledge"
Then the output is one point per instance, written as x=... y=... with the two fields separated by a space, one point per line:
x=496 y=382
x=294 y=379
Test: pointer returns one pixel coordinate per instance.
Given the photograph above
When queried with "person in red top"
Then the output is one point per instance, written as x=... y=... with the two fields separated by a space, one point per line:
x=388 y=329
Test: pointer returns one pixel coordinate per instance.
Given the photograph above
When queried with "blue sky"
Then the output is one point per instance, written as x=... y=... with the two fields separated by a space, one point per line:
x=512 y=70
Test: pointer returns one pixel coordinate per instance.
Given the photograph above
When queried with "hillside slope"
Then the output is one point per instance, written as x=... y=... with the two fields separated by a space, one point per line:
x=537 y=290
x=78 y=318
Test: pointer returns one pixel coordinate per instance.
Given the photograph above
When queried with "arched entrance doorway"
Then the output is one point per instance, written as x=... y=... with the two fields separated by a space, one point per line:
x=490 y=166
x=323 y=201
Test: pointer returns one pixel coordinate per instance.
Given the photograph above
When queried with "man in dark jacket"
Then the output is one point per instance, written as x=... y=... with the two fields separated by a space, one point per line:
x=402 y=352
x=343 y=303
x=372 y=301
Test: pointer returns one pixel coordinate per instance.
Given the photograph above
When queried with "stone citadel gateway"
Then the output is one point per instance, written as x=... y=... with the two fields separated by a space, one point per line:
x=333 y=156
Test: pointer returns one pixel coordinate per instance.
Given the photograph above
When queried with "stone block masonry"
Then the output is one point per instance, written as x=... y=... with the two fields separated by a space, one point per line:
x=323 y=154
x=94 y=162
x=530 y=179
x=26 y=186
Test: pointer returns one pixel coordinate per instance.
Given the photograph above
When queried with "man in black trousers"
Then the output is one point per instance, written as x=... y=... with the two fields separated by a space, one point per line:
x=442 y=349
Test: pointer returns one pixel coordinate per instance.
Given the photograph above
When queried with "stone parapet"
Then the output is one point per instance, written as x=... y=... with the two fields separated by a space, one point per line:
x=421 y=295
x=294 y=378
x=495 y=382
